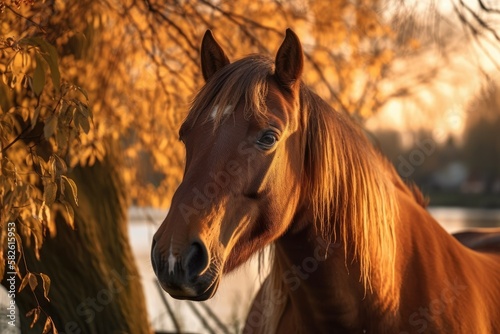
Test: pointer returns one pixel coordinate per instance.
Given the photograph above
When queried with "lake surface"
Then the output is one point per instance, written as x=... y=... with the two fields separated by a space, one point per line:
x=237 y=289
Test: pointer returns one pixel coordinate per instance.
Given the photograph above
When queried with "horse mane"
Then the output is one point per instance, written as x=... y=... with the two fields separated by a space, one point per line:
x=351 y=188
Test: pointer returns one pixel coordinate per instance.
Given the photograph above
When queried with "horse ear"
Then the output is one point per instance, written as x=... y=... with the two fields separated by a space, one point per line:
x=213 y=57
x=289 y=61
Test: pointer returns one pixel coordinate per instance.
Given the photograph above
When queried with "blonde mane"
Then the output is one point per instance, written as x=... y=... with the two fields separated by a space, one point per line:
x=351 y=189
x=352 y=192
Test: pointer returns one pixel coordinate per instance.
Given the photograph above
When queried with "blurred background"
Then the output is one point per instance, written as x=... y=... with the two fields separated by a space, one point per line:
x=93 y=93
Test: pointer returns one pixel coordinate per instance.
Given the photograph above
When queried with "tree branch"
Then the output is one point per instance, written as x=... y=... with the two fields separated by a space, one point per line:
x=26 y=18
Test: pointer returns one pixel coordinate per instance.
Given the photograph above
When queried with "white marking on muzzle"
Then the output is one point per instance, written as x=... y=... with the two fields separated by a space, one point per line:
x=171 y=258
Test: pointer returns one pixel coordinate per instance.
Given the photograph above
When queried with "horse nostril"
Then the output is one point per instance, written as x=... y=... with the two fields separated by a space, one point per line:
x=196 y=260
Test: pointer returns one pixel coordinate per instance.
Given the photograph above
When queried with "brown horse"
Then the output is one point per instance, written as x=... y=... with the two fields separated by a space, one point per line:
x=354 y=250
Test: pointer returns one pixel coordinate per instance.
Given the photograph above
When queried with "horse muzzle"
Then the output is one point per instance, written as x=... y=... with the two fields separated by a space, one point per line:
x=186 y=274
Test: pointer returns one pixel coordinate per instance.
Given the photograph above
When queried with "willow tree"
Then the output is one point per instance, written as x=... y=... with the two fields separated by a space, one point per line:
x=91 y=99
x=61 y=181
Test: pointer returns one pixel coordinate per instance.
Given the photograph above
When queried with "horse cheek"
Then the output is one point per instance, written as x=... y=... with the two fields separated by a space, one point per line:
x=249 y=151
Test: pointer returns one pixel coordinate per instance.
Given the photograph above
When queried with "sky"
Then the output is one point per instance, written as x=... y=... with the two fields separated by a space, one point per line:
x=440 y=105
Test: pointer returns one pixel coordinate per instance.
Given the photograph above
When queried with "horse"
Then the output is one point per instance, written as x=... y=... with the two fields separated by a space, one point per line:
x=270 y=165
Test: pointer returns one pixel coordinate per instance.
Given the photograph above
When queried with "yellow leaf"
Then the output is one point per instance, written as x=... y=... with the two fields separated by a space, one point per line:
x=33 y=281
x=35 y=116
x=48 y=325
x=24 y=282
x=74 y=189
x=36 y=314
x=39 y=76
x=82 y=121
x=50 y=126
x=49 y=192
x=46 y=285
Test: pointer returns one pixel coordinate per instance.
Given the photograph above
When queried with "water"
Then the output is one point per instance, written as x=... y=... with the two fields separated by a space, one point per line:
x=236 y=290
x=457 y=219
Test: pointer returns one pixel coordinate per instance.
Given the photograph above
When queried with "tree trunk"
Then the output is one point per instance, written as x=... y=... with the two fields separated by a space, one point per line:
x=95 y=284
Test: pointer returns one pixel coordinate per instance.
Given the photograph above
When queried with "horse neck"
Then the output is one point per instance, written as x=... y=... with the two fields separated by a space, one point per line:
x=323 y=283
x=326 y=292
x=322 y=280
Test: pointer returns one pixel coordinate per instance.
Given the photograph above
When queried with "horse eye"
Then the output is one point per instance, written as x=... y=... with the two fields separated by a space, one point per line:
x=267 y=140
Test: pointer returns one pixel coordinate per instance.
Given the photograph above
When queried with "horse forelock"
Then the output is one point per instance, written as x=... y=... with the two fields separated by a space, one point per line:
x=242 y=84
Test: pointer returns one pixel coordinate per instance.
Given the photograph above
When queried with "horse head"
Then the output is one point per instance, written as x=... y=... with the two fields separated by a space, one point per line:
x=244 y=162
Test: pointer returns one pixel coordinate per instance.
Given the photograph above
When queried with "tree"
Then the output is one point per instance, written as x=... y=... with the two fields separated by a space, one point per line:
x=482 y=142
x=96 y=287
x=84 y=278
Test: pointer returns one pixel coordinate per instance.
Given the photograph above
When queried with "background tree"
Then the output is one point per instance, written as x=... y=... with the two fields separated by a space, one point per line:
x=84 y=278
x=482 y=140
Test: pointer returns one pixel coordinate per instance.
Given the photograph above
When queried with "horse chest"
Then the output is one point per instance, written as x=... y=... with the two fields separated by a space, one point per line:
x=294 y=321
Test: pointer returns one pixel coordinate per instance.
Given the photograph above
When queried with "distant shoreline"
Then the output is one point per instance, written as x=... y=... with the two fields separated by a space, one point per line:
x=453 y=199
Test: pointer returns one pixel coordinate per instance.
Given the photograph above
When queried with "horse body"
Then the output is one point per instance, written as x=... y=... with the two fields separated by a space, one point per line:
x=353 y=248
x=445 y=287
x=440 y=285
x=487 y=240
